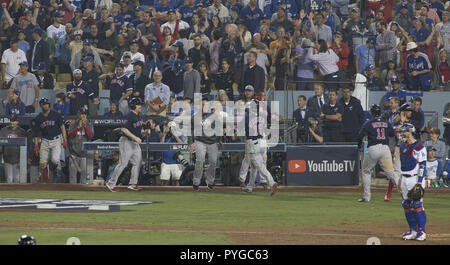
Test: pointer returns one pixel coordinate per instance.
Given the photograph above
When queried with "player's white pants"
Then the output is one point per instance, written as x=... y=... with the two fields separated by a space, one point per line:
x=255 y=155
x=130 y=151
x=12 y=172
x=50 y=149
x=246 y=164
x=73 y=170
x=174 y=170
x=382 y=154
x=408 y=184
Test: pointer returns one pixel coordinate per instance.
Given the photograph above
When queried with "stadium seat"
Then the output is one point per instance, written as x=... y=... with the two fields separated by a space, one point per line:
x=61 y=85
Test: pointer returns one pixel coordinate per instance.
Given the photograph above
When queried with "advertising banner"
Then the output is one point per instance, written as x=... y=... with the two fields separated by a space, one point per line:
x=322 y=165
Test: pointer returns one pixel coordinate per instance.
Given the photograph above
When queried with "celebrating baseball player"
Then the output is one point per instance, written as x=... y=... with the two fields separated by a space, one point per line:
x=413 y=157
x=49 y=125
x=378 y=132
x=255 y=119
x=129 y=146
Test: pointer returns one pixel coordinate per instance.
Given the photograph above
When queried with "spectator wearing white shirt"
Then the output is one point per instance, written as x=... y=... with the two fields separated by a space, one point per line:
x=56 y=30
x=128 y=67
x=135 y=54
x=171 y=23
x=156 y=90
x=11 y=59
x=326 y=60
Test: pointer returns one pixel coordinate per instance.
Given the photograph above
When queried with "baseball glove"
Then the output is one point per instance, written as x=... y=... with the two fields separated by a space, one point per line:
x=416 y=193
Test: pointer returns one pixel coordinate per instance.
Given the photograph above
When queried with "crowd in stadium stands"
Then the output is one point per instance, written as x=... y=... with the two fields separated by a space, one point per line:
x=164 y=51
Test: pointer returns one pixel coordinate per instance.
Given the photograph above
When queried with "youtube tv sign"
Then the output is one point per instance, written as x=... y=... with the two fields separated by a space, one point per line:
x=322 y=165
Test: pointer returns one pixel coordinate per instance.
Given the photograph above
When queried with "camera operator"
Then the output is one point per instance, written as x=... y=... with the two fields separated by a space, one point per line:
x=313 y=134
x=171 y=165
x=80 y=131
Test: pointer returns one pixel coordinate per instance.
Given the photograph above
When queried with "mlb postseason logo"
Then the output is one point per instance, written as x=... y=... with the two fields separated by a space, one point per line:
x=65 y=205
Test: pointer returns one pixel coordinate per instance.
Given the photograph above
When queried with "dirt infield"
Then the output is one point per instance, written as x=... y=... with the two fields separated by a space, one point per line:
x=83 y=187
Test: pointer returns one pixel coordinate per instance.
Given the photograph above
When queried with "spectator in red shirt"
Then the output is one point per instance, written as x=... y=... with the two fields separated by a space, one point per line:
x=444 y=68
x=343 y=51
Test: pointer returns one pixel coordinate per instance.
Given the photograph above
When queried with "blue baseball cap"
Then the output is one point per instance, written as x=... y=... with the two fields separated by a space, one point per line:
x=171 y=11
x=370 y=67
x=295 y=16
x=188 y=60
x=42 y=66
x=236 y=9
x=139 y=8
x=178 y=64
x=327 y=1
x=86 y=42
x=355 y=9
x=178 y=44
x=24 y=63
x=430 y=148
x=88 y=59
x=17 y=92
x=37 y=30
x=126 y=54
x=371 y=40
x=134 y=41
x=404 y=5
x=13 y=117
x=156 y=45
x=395 y=79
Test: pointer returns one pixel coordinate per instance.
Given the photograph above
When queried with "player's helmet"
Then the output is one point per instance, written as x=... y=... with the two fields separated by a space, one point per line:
x=375 y=110
x=134 y=102
x=44 y=101
x=26 y=240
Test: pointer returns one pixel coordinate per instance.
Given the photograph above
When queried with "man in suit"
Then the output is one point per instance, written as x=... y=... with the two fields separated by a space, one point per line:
x=301 y=116
x=315 y=103
x=39 y=50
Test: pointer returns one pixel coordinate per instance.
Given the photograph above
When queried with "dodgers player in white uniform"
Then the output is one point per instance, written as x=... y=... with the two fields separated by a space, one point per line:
x=413 y=158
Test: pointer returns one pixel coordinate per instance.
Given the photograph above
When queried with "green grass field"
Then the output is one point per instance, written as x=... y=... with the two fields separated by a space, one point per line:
x=221 y=218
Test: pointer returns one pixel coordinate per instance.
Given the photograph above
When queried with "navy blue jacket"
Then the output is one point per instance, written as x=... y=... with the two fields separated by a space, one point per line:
x=353 y=117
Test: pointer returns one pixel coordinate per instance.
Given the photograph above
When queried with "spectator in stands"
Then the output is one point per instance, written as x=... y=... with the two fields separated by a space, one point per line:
x=224 y=79
x=316 y=102
x=251 y=14
x=352 y=116
x=139 y=80
x=343 y=51
x=91 y=76
x=192 y=80
x=281 y=67
x=392 y=115
x=305 y=66
x=323 y=32
x=76 y=44
x=214 y=48
x=402 y=17
x=422 y=34
x=27 y=84
x=332 y=20
x=326 y=60
x=157 y=96
x=134 y=50
x=354 y=29
x=114 y=111
x=15 y=106
x=120 y=87
x=446 y=124
x=106 y=24
x=430 y=12
x=426 y=22
x=386 y=45
x=418 y=67
x=443 y=31
x=341 y=8
x=80 y=131
x=374 y=83
x=39 y=50
x=198 y=52
x=443 y=69
x=61 y=105
x=128 y=67
x=87 y=50
x=65 y=51
x=79 y=93
x=56 y=30
x=387 y=73
x=218 y=9
x=216 y=25
x=365 y=55
x=171 y=167
x=332 y=114
x=206 y=80
x=24 y=45
x=252 y=74
x=11 y=154
x=120 y=48
x=435 y=143
x=11 y=59
x=282 y=18
x=44 y=78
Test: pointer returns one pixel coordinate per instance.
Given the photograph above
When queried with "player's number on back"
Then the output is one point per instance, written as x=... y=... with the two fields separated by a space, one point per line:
x=380 y=134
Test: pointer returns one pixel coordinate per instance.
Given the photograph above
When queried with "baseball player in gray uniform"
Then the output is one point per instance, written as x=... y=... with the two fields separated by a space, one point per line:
x=378 y=132
x=255 y=118
x=129 y=146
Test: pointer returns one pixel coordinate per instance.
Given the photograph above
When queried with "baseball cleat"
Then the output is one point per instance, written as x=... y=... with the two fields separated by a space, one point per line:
x=421 y=236
x=248 y=191
x=363 y=200
x=111 y=189
x=134 y=187
x=274 y=189
x=410 y=235
x=195 y=188
x=210 y=187
x=243 y=186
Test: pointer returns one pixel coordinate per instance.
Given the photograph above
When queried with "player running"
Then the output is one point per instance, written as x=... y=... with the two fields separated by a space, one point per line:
x=129 y=146
x=413 y=157
x=378 y=132
x=49 y=125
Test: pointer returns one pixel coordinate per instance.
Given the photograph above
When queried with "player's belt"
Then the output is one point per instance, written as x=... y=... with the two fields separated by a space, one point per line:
x=52 y=138
x=408 y=175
